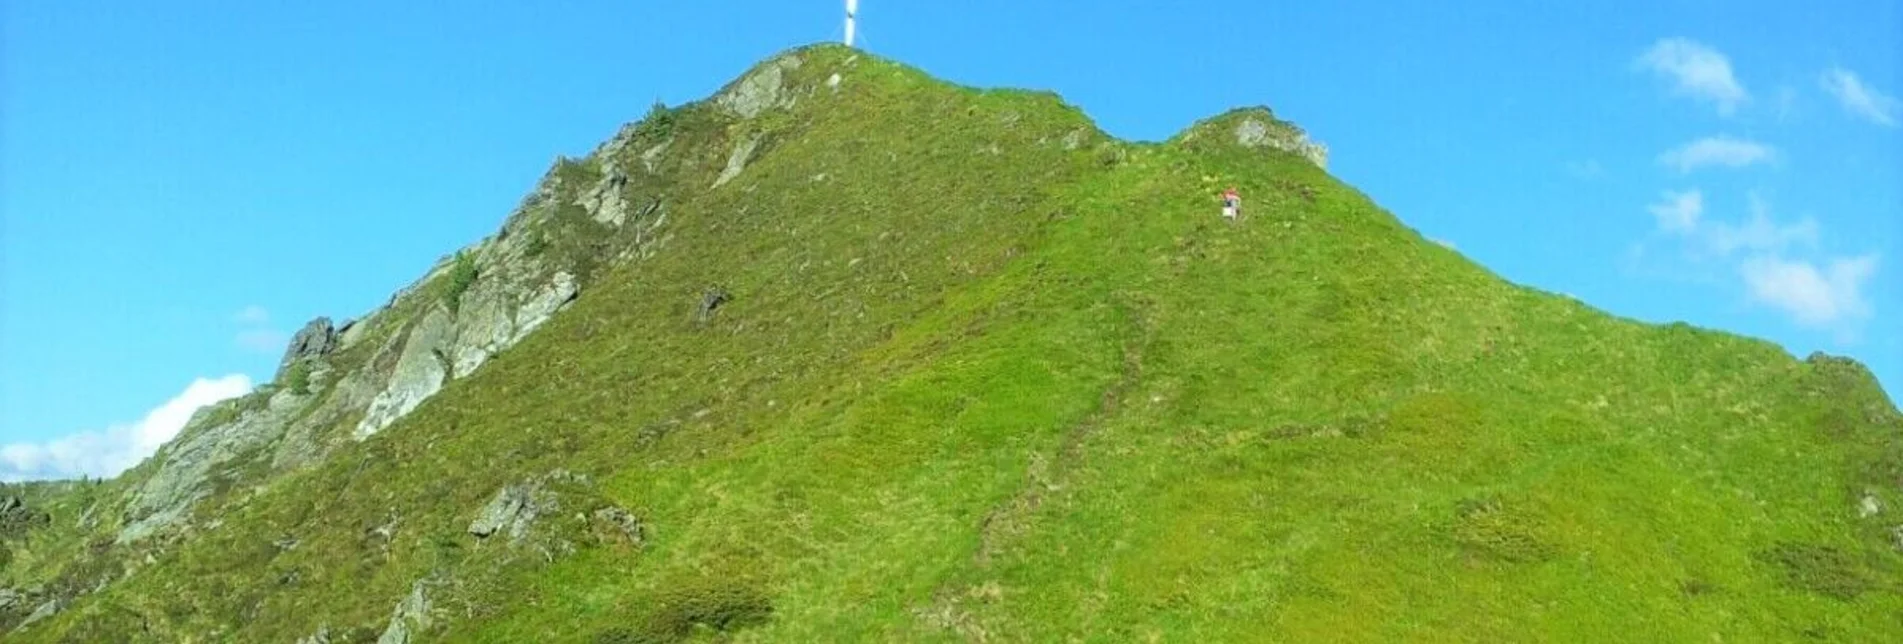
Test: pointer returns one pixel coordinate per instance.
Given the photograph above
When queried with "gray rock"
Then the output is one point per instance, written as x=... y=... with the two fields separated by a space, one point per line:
x=351 y=332
x=502 y=314
x=737 y=161
x=419 y=374
x=1253 y=133
x=322 y=636
x=604 y=202
x=411 y=616
x=621 y=520
x=761 y=90
x=9 y=598
x=560 y=291
x=710 y=300
x=651 y=158
x=315 y=340
x=185 y=465
x=1868 y=506
x=46 y=610
x=513 y=509
x=1075 y=139
x=16 y=517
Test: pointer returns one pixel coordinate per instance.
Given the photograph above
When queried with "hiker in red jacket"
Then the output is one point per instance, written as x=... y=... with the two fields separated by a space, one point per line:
x=1231 y=204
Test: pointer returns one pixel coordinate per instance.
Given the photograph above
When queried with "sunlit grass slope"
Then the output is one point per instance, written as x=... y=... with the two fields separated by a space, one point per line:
x=987 y=373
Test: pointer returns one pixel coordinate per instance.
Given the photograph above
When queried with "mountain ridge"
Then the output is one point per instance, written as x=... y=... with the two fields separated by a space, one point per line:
x=963 y=317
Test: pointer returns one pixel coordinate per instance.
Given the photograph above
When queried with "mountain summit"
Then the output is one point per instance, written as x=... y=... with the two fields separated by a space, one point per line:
x=848 y=353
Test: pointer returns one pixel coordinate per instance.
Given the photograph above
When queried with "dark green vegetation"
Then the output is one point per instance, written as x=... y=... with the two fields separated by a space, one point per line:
x=987 y=373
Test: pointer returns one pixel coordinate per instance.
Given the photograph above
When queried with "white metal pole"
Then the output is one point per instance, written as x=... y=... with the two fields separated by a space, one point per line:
x=852 y=11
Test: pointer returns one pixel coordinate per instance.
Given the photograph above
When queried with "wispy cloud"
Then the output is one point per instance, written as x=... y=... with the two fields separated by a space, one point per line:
x=1775 y=260
x=1812 y=295
x=253 y=314
x=1716 y=151
x=256 y=334
x=1860 y=99
x=1695 y=70
x=1678 y=212
x=109 y=451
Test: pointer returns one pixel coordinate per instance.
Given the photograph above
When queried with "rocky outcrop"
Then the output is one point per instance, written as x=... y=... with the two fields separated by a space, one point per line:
x=1256 y=128
x=1255 y=133
x=16 y=518
x=513 y=510
x=315 y=340
x=411 y=616
x=322 y=636
x=760 y=90
x=419 y=373
x=621 y=521
x=46 y=610
x=188 y=462
x=710 y=301
x=737 y=160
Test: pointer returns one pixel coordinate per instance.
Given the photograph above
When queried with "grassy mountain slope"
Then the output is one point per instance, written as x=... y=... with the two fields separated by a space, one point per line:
x=986 y=373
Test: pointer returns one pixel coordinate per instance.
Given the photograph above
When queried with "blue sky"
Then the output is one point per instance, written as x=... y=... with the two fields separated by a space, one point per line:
x=182 y=186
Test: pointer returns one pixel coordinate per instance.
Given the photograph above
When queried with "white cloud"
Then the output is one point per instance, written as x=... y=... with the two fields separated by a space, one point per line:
x=253 y=314
x=110 y=451
x=1679 y=211
x=1860 y=99
x=1811 y=295
x=1767 y=255
x=1716 y=150
x=1760 y=233
x=1696 y=70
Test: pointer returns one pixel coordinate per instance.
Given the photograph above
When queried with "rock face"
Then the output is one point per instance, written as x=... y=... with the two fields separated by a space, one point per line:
x=737 y=161
x=419 y=373
x=761 y=90
x=16 y=518
x=50 y=608
x=412 y=616
x=10 y=598
x=1257 y=128
x=513 y=509
x=315 y=340
x=622 y=521
x=189 y=461
x=1254 y=133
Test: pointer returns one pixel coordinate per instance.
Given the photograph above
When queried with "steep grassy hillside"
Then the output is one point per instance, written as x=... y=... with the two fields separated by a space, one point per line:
x=909 y=361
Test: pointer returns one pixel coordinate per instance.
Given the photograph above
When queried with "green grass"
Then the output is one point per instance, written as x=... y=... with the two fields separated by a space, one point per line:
x=972 y=383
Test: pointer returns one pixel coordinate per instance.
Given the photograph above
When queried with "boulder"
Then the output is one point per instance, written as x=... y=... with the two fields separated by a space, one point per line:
x=411 y=616
x=710 y=300
x=513 y=509
x=315 y=340
x=621 y=520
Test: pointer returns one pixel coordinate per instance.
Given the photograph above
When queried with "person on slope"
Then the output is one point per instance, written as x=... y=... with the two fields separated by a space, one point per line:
x=1231 y=204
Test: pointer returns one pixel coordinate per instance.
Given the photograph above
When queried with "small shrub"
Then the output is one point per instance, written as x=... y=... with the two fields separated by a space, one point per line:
x=536 y=245
x=297 y=378
x=723 y=605
x=1823 y=570
x=461 y=277
x=1487 y=526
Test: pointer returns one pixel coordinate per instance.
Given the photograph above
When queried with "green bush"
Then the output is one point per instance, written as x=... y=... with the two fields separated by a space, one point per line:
x=1823 y=570
x=297 y=378
x=461 y=277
